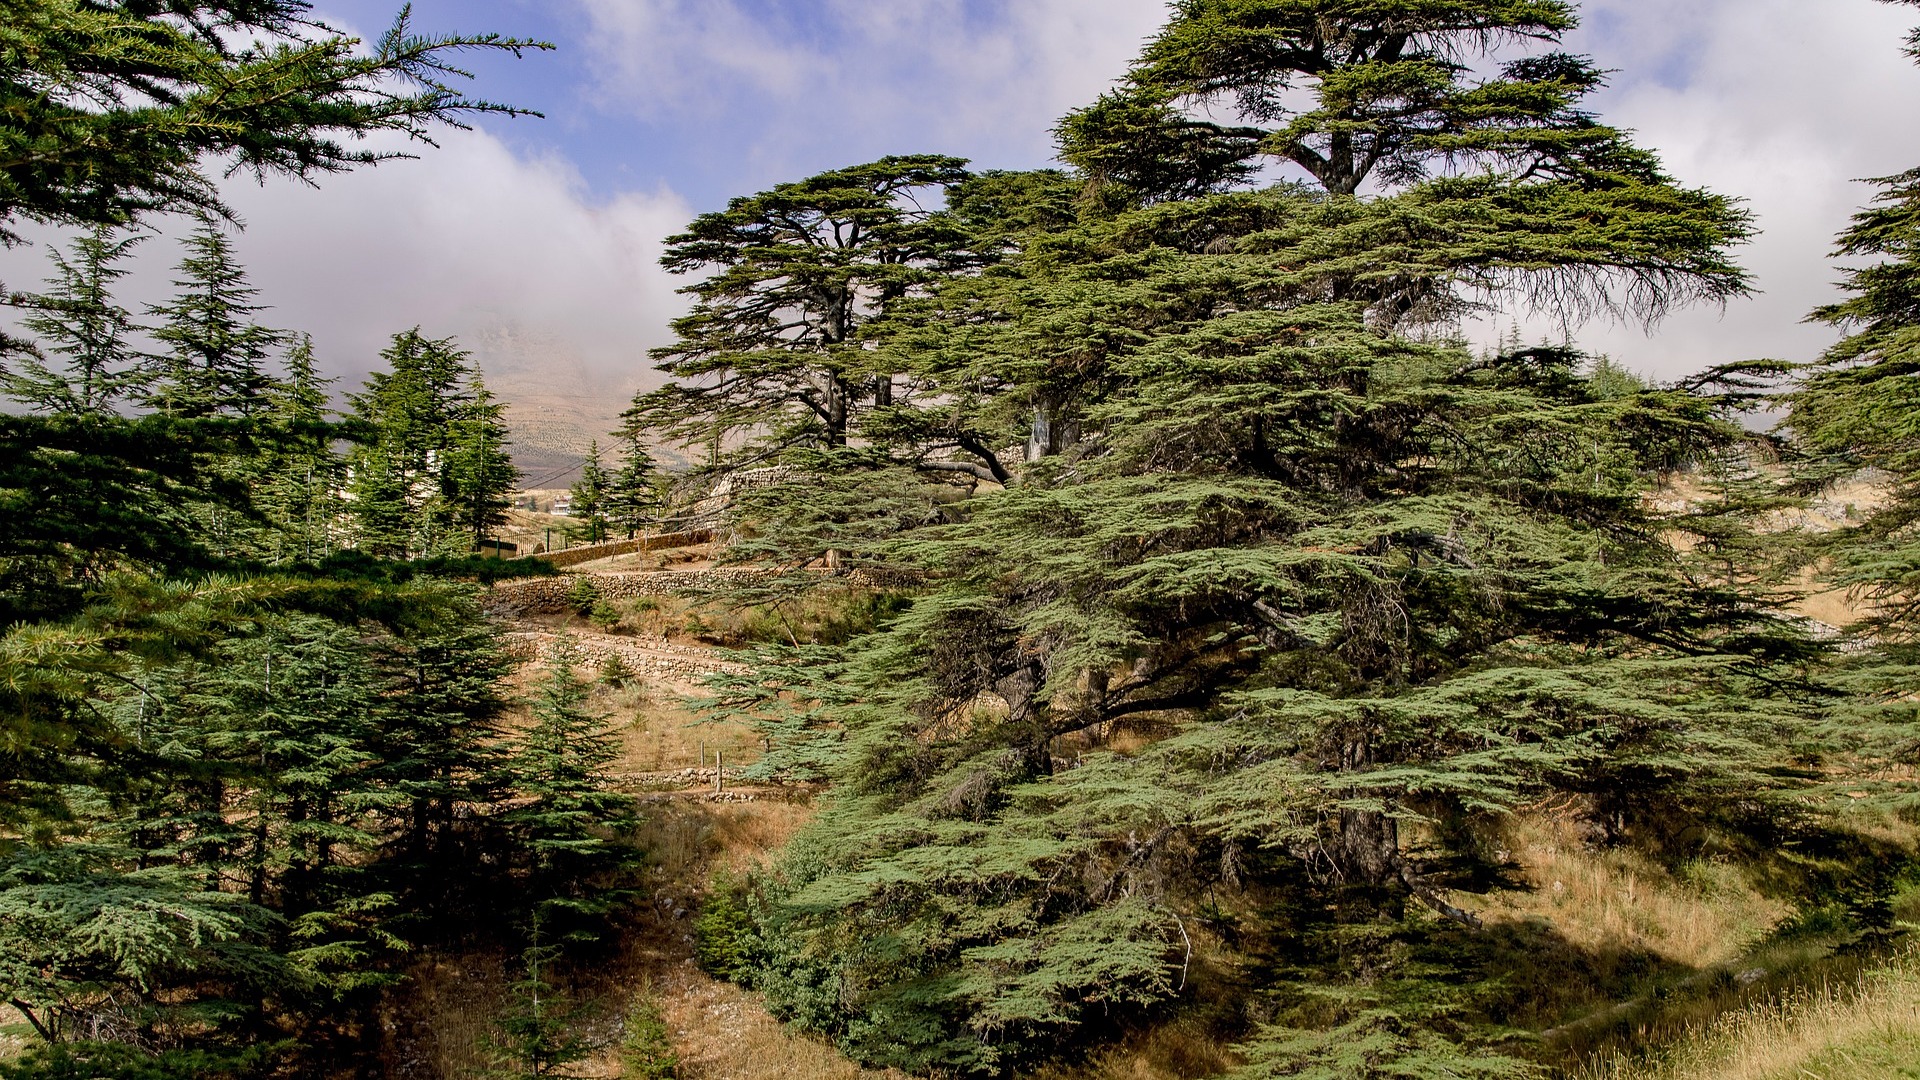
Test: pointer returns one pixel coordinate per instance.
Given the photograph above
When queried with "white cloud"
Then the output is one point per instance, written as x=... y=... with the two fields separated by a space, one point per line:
x=848 y=78
x=1782 y=103
x=467 y=241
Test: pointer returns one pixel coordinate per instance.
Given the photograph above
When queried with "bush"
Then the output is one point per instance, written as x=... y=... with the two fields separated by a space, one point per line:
x=723 y=934
x=603 y=615
x=583 y=594
x=647 y=1053
x=113 y=1061
x=614 y=670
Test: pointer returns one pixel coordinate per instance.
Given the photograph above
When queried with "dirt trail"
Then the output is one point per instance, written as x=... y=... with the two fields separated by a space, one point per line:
x=690 y=831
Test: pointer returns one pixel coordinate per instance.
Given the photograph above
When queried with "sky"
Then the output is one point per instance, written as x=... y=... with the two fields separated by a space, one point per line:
x=549 y=230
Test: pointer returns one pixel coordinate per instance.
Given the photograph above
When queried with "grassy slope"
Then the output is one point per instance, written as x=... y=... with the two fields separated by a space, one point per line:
x=1865 y=1030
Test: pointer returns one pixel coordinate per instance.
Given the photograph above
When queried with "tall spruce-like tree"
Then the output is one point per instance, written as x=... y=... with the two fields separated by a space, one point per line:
x=769 y=356
x=434 y=477
x=78 y=323
x=632 y=491
x=571 y=825
x=587 y=499
x=479 y=471
x=300 y=486
x=438 y=749
x=216 y=356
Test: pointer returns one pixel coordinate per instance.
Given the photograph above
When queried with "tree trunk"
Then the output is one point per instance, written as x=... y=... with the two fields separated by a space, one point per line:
x=1367 y=848
x=1051 y=432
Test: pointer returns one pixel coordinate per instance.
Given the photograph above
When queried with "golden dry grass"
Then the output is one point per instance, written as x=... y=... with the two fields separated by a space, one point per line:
x=1866 y=1030
x=722 y=1032
x=1613 y=900
x=1174 y=1051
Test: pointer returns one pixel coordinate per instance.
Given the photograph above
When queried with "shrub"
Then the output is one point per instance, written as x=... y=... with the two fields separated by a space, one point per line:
x=583 y=594
x=723 y=934
x=603 y=615
x=647 y=1053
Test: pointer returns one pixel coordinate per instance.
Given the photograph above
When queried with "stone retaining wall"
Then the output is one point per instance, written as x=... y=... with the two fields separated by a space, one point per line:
x=574 y=556
x=548 y=595
x=532 y=596
x=668 y=663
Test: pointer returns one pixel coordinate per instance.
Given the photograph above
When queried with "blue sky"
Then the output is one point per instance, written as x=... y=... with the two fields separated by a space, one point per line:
x=711 y=98
x=539 y=239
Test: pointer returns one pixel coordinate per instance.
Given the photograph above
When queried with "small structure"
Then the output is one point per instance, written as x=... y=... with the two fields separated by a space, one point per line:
x=498 y=549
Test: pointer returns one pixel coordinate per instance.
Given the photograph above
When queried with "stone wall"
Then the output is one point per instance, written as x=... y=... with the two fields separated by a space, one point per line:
x=680 y=664
x=534 y=596
x=574 y=556
x=546 y=596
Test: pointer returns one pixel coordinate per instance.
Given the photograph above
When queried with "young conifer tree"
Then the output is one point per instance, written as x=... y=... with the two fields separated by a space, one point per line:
x=632 y=491
x=433 y=478
x=588 y=500
x=479 y=471
x=302 y=481
x=571 y=827
x=78 y=321
x=216 y=356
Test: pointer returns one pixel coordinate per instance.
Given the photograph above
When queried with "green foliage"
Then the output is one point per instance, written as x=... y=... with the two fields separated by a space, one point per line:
x=433 y=478
x=110 y=108
x=647 y=1051
x=114 y=1061
x=540 y=1034
x=1854 y=411
x=216 y=354
x=588 y=499
x=231 y=797
x=723 y=932
x=570 y=824
x=632 y=493
x=77 y=320
x=771 y=349
x=1287 y=596
x=583 y=594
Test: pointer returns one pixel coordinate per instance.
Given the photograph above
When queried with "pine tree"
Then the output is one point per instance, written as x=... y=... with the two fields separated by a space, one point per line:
x=540 y=1033
x=588 y=500
x=301 y=482
x=437 y=738
x=78 y=320
x=571 y=826
x=632 y=498
x=769 y=354
x=217 y=354
x=1855 y=411
x=479 y=471
x=91 y=139
x=433 y=477
x=1368 y=590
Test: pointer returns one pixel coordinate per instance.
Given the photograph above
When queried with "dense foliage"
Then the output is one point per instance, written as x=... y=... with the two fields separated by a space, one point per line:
x=1251 y=600
x=245 y=764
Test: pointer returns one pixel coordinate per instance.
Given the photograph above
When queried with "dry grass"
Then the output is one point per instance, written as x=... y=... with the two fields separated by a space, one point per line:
x=1176 y=1051
x=721 y=1032
x=442 y=1023
x=1704 y=914
x=1866 y=1030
